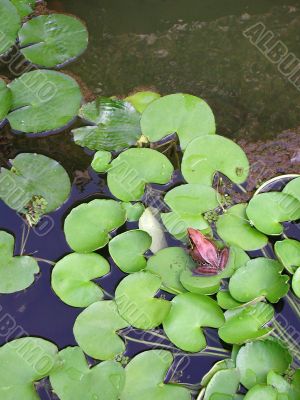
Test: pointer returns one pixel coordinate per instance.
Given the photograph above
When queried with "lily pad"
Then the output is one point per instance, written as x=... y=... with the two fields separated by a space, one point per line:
x=234 y=228
x=136 y=302
x=96 y=328
x=293 y=188
x=296 y=283
x=288 y=391
x=288 y=253
x=40 y=185
x=226 y=301
x=5 y=100
x=22 y=363
x=145 y=378
x=43 y=101
x=141 y=100
x=189 y=313
x=10 y=25
x=262 y=392
x=206 y=155
x=72 y=278
x=256 y=359
x=88 y=225
x=128 y=249
x=133 y=169
x=75 y=380
x=266 y=211
x=223 y=385
x=184 y=114
x=113 y=125
x=101 y=161
x=218 y=366
x=16 y=273
x=259 y=277
x=24 y=7
x=134 y=211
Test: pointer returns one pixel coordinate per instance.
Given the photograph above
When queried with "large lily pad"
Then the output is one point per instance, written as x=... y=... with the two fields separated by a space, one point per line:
x=136 y=302
x=223 y=385
x=88 y=225
x=225 y=364
x=287 y=390
x=259 y=277
x=52 y=40
x=10 y=21
x=288 y=253
x=95 y=330
x=43 y=101
x=16 y=273
x=5 y=100
x=113 y=125
x=266 y=211
x=141 y=100
x=296 y=283
x=234 y=228
x=133 y=169
x=226 y=301
x=293 y=188
x=72 y=276
x=209 y=154
x=22 y=363
x=262 y=392
x=184 y=114
x=74 y=380
x=145 y=378
x=189 y=313
x=24 y=7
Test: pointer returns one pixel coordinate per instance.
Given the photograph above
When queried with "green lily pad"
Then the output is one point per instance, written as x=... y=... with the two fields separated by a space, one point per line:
x=266 y=211
x=206 y=155
x=40 y=184
x=234 y=228
x=16 y=273
x=288 y=253
x=24 y=7
x=22 y=363
x=43 y=101
x=150 y=223
x=189 y=313
x=128 y=249
x=101 y=161
x=136 y=302
x=293 y=188
x=184 y=114
x=226 y=301
x=256 y=359
x=218 y=366
x=5 y=100
x=262 y=392
x=223 y=385
x=74 y=380
x=288 y=391
x=113 y=125
x=10 y=25
x=96 y=328
x=145 y=378
x=134 y=211
x=133 y=169
x=296 y=283
x=259 y=277
x=141 y=100
x=72 y=276
x=246 y=323
x=88 y=225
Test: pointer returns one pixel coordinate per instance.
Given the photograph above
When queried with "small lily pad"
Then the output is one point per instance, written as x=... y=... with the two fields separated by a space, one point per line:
x=88 y=225
x=256 y=359
x=145 y=378
x=96 y=328
x=259 y=277
x=5 y=100
x=289 y=391
x=101 y=161
x=226 y=301
x=128 y=249
x=296 y=283
x=209 y=154
x=288 y=253
x=189 y=313
x=16 y=273
x=10 y=25
x=72 y=276
x=266 y=211
x=228 y=363
x=75 y=380
x=235 y=229
x=223 y=385
x=24 y=7
x=133 y=169
x=262 y=392
x=141 y=100
x=184 y=114
x=293 y=188
x=134 y=211
x=43 y=101
x=114 y=125
x=136 y=302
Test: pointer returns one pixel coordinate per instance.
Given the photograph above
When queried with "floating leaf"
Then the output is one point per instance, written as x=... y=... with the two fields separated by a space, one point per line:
x=149 y=223
x=266 y=211
x=259 y=277
x=290 y=391
x=226 y=301
x=235 y=229
x=184 y=114
x=72 y=276
x=288 y=253
x=218 y=366
x=16 y=273
x=293 y=188
x=133 y=169
x=22 y=363
x=95 y=330
x=256 y=359
x=134 y=211
x=88 y=225
x=145 y=378
x=10 y=25
x=262 y=392
x=101 y=161
x=141 y=100
x=114 y=125
x=223 y=385
x=136 y=302
x=189 y=313
x=128 y=249
x=43 y=101
x=74 y=380
x=296 y=283
x=5 y=99
x=24 y=7
x=206 y=155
